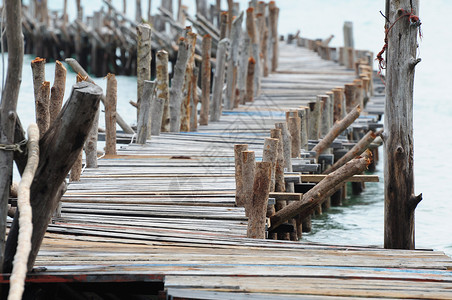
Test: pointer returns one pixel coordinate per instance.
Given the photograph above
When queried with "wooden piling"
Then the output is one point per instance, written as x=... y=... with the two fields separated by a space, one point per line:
x=258 y=205
x=350 y=96
x=57 y=91
x=249 y=96
x=177 y=83
x=42 y=108
x=194 y=101
x=315 y=116
x=248 y=169
x=188 y=94
x=338 y=99
x=294 y=125
x=205 y=80
x=143 y=59
x=270 y=154
x=239 y=195
x=162 y=86
x=273 y=20
x=255 y=48
x=144 y=119
x=217 y=96
x=280 y=185
x=110 y=115
x=233 y=61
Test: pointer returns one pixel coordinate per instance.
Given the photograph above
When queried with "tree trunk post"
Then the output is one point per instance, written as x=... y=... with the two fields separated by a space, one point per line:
x=42 y=108
x=110 y=115
x=188 y=94
x=57 y=91
x=217 y=97
x=91 y=143
x=349 y=45
x=205 y=80
x=338 y=94
x=177 y=83
x=143 y=59
x=249 y=95
x=138 y=16
x=248 y=168
x=144 y=119
x=233 y=60
x=273 y=18
x=280 y=185
x=194 y=100
x=270 y=154
x=255 y=49
x=239 y=195
x=400 y=201
x=8 y=106
x=258 y=205
x=162 y=87
x=294 y=125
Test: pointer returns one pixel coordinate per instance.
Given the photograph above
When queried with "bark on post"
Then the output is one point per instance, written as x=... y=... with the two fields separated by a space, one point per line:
x=8 y=106
x=138 y=17
x=143 y=59
x=349 y=45
x=323 y=189
x=162 y=79
x=57 y=91
x=205 y=80
x=38 y=71
x=315 y=115
x=223 y=25
x=110 y=115
x=338 y=94
x=194 y=100
x=255 y=49
x=239 y=195
x=350 y=93
x=91 y=143
x=294 y=125
x=248 y=167
x=177 y=84
x=42 y=108
x=144 y=119
x=249 y=95
x=258 y=205
x=243 y=68
x=337 y=129
x=400 y=201
x=233 y=61
x=280 y=185
x=270 y=154
x=188 y=94
x=287 y=145
x=217 y=96
x=67 y=135
x=273 y=19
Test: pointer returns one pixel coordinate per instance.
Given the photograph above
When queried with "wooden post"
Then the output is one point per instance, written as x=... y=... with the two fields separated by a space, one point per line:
x=57 y=91
x=243 y=69
x=400 y=201
x=42 y=108
x=255 y=49
x=350 y=93
x=194 y=101
x=258 y=205
x=217 y=96
x=67 y=136
x=91 y=144
x=188 y=94
x=294 y=125
x=287 y=145
x=249 y=96
x=205 y=80
x=110 y=115
x=177 y=83
x=325 y=125
x=223 y=25
x=201 y=8
x=280 y=185
x=162 y=86
x=38 y=71
x=349 y=45
x=239 y=195
x=338 y=94
x=359 y=99
x=144 y=119
x=248 y=168
x=337 y=129
x=273 y=19
x=143 y=59
x=138 y=17
x=13 y=10
x=270 y=154
x=315 y=115
x=303 y=113
x=233 y=60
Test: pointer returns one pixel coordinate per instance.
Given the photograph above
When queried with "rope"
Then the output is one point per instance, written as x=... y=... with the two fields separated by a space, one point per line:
x=414 y=20
x=17 y=279
x=14 y=147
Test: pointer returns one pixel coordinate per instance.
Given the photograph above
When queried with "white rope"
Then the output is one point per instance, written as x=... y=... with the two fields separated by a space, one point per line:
x=17 y=279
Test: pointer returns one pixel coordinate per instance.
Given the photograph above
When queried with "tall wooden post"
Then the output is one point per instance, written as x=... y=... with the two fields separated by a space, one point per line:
x=400 y=201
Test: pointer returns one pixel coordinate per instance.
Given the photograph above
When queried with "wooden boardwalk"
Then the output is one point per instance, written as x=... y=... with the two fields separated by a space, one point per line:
x=164 y=213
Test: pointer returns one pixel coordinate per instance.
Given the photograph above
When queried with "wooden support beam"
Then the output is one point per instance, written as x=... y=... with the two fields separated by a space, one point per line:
x=205 y=79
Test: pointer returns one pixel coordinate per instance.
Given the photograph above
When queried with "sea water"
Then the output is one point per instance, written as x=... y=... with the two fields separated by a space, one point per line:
x=360 y=220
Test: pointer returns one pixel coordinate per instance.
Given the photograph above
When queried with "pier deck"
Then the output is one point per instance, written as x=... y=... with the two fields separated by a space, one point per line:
x=164 y=214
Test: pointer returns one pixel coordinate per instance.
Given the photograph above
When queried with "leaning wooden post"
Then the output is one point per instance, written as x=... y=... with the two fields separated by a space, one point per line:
x=249 y=95
x=110 y=115
x=162 y=87
x=67 y=136
x=248 y=167
x=217 y=96
x=400 y=201
x=57 y=91
x=144 y=119
x=42 y=108
x=270 y=154
x=177 y=83
x=239 y=195
x=258 y=205
x=143 y=59
x=205 y=80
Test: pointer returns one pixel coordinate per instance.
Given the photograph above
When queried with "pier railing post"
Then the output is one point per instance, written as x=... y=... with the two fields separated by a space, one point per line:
x=258 y=206
x=110 y=115
x=205 y=79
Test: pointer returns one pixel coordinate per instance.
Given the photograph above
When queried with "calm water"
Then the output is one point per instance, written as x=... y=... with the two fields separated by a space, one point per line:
x=360 y=221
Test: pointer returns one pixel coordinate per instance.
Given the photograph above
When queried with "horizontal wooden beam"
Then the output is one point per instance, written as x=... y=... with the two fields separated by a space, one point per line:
x=356 y=178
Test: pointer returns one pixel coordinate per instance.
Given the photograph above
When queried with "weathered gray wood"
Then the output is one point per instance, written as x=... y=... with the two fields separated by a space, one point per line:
x=233 y=62
x=177 y=83
x=188 y=84
x=400 y=201
x=205 y=79
x=255 y=48
x=217 y=95
x=162 y=88
x=270 y=154
x=144 y=119
x=280 y=185
x=287 y=145
x=294 y=125
x=258 y=205
x=315 y=116
x=10 y=94
x=157 y=106
x=239 y=194
x=248 y=169
x=249 y=94
x=243 y=67
x=110 y=115
x=349 y=45
x=143 y=59
x=57 y=91
x=194 y=100
x=91 y=143
x=42 y=107
x=66 y=135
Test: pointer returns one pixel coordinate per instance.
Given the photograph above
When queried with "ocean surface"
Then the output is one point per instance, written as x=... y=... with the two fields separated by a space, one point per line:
x=360 y=220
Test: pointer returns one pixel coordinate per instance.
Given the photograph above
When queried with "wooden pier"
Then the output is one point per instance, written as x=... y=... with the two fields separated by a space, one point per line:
x=161 y=218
